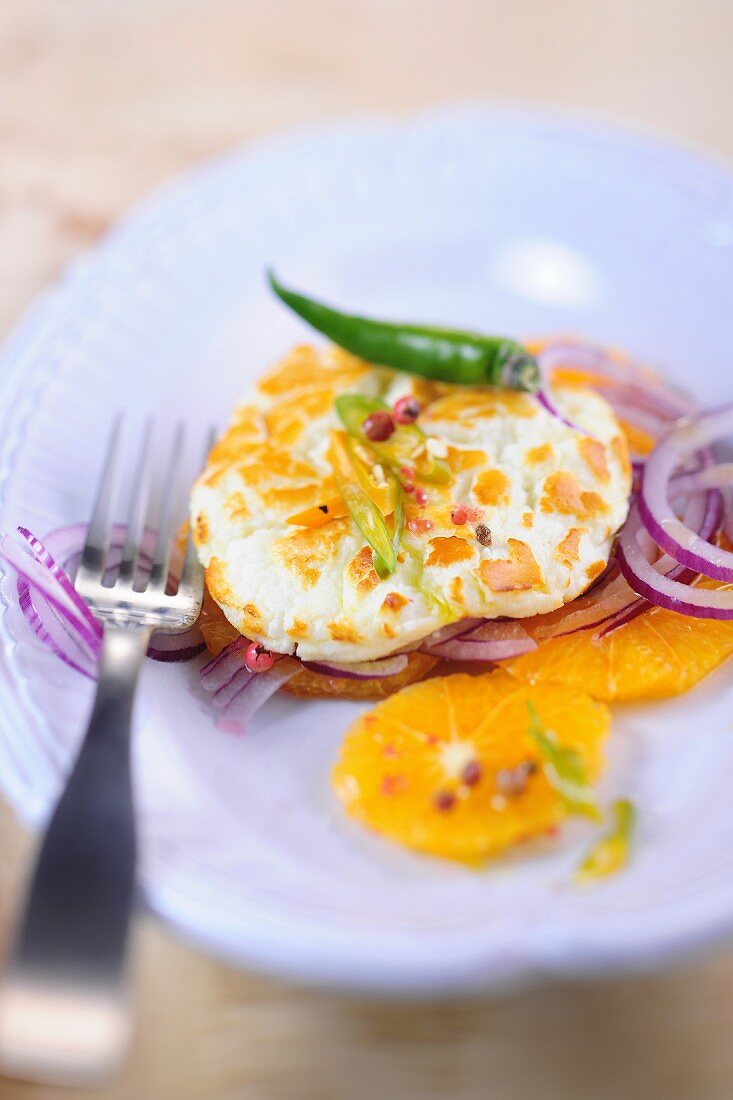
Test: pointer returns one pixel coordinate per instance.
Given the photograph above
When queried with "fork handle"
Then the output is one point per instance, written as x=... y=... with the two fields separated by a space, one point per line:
x=74 y=927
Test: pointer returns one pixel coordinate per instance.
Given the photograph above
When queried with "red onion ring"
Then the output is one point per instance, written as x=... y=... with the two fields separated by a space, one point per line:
x=220 y=669
x=360 y=670
x=493 y=640
x=672 y=534
x=40 y=577
x=636 y=553
x=637 y=386
x=702 y=515
x=52 y=630
x=544 y=399
x=43 y=555
x=59 y=617
x=253 y=693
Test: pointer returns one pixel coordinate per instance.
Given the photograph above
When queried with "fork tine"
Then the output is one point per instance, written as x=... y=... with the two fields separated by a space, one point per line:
x=166 y=517
x=137 y=509
x=191 y=569
x=95 y=547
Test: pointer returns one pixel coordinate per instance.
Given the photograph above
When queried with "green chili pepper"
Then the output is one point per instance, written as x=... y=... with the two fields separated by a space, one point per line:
x=362 y=509
x=611 y=852
x=407 y=446
x=446 y=355
x=563 y=767
x=398 y=527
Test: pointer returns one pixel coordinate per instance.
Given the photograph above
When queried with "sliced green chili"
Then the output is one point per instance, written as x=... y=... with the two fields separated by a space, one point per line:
x=611 y=852
x=446 y=355
x=362 y=509
x=407 y=446
x=563 y=767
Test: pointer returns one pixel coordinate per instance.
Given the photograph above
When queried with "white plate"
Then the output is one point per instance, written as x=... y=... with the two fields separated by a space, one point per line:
x=500 y=220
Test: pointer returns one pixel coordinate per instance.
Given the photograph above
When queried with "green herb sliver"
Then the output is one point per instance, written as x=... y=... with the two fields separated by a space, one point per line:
x=564 y=768
x=611 y=852
x=445 y=355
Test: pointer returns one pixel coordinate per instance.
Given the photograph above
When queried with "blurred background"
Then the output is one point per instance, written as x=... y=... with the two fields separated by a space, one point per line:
x=103 y=100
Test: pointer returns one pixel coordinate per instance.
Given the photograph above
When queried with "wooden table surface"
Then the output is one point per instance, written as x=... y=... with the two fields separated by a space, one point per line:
x=101 y=100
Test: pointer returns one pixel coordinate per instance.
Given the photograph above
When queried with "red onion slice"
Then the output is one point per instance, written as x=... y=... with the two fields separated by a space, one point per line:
x=671 y=533
x=41 y=578
x=360 y=670
x=482 y=652
x=702 y=515
x=59 y=617
x=493 y=640
x=43 y=555
x=547 y=403
x=253 y=694
x=53 y=631
x=220 y=670
x=637 y=385
x=177 y=647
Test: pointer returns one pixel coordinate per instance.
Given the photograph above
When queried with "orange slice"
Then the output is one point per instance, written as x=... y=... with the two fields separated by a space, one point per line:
x=658 y=654
x=448 y=766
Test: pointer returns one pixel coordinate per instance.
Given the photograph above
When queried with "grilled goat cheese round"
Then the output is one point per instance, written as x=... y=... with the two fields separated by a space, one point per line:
x=541 y=499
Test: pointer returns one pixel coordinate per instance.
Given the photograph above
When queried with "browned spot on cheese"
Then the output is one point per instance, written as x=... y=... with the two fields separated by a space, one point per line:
x=297 y=629
x=214 y=473
x=342 y=631
x=306 y=552
x=388 y=630
x=594 y=454
x=562 y=494
x=305 y=367
x=247 y=431
x=466 y=404
x=252 y=620
x=201 y=529
x=460 y=460
x=448 y=550
x=516 y=574
x=621 y=450
x=568 y=551
x=595 y=569
x=217 y=582
x=538 y=454
x=455 y=590
x=286 y=421
x=237 y=506
x=528 y=519
x=393 y=601
x=361 y=571
x=268 y=461
x=289 y=498
x=491 y=487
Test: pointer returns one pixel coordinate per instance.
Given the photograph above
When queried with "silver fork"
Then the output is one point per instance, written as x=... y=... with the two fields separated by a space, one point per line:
x=64 y=1010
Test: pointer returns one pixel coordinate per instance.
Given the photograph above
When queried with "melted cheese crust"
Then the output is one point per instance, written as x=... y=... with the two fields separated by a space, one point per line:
x=552 y=497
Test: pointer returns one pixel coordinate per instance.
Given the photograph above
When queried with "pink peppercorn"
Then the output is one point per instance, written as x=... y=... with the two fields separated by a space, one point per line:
x=459 y=515
x=474 y=515
x=258 y=659
x=444 y=800
x=421 y=496
x=407 y=473
x=471 y=774
x=406 y=410
x=378 y=426
x=419 y=526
